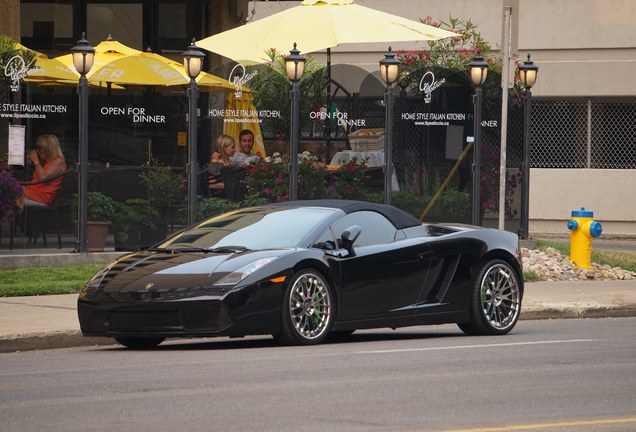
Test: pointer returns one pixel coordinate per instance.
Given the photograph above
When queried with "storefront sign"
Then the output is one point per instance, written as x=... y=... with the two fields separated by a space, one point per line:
x=341 y=117
x=428 y=85
x=243 y=116
x=16 y=70
x=30 y=111
x=239 y=77
x=442 y=119
x=137 y=114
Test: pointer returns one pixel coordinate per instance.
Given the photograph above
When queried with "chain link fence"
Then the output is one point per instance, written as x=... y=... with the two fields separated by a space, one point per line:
x=583 y=133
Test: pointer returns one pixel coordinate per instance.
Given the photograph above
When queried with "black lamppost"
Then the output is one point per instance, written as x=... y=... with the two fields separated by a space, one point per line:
x=528 y=73
x=294 y=66
x=83 y=55
x=389 y=66
x=478 y=69
x=193 y=62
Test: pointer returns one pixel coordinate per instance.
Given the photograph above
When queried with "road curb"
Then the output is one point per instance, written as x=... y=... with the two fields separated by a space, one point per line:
x=47 y=341
x=536 y=312
x=57 y=260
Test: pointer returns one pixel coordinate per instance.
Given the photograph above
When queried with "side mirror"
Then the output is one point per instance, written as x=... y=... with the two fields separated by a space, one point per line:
x=349 y=237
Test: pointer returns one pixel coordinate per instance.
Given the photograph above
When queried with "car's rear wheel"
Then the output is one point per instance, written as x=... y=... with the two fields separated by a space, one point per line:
x=495 y=300
x=140 y=342
x=308 y=310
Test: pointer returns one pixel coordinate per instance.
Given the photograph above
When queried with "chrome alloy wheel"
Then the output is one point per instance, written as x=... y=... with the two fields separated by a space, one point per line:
x=310 y=306
x=500 y=297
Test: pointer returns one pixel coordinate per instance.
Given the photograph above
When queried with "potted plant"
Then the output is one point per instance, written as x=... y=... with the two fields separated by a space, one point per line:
x=99 y=215
x=164 y=187
x=131 y=218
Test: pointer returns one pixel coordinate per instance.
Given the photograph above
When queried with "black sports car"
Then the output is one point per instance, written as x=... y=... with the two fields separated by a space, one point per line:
x=303 y=270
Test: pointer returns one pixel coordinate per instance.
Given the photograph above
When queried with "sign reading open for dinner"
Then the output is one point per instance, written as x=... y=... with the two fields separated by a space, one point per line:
x=137 y=114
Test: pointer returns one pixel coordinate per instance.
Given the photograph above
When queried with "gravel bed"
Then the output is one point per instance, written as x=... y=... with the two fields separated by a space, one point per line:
x=551 y=265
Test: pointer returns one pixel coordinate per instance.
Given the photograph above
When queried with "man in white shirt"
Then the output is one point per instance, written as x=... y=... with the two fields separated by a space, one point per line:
x=245 y=145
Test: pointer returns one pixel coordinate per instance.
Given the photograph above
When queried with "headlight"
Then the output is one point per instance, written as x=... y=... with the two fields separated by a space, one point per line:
x=238 y=275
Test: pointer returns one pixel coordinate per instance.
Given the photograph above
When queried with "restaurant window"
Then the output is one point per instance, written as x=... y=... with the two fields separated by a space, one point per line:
x=120 y=20
x=173 y=23
x=45 y=25
x=166 y=26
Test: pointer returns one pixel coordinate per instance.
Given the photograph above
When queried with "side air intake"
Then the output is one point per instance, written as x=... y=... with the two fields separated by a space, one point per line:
x=440 y=230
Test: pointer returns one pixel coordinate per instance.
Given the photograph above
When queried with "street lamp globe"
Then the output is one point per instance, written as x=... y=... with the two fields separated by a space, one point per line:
x=389 y=68
x=83 y=56
x=193 y=60
x=528 y=73
x=295 y=64
x=478 y=69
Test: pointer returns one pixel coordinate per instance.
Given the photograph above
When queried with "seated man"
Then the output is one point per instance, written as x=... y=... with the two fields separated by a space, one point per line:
x=244 y=154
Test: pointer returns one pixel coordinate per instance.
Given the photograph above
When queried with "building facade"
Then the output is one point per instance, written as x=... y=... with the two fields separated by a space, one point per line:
x=583 y=135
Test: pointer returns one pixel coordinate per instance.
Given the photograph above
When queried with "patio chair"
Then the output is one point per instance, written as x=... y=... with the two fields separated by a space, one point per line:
x=42 y=219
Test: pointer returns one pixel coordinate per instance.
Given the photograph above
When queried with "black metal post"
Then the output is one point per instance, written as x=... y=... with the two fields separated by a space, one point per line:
x=525 y=180
x=193 y=167
x=82 y=168
x=388 y=143
x=476 y=220
x=294 y=95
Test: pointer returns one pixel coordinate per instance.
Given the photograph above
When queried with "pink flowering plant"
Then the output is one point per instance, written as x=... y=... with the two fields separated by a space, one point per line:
x=455 y=53
x=452 y=53
x=268 y=178
x=348 y=181
x=10 y=191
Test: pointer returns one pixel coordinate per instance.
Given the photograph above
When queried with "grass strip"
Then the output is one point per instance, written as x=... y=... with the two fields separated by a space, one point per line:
x=45 y=280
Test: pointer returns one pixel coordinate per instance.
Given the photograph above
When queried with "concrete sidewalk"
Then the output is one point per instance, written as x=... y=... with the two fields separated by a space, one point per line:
x=46 y=322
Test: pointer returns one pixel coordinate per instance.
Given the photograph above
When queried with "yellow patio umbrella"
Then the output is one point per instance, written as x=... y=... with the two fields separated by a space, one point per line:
x=317 y=25
x=52 y=72
x=118 y=64
x=47 y=69
x=241 y=114
x=105 y=52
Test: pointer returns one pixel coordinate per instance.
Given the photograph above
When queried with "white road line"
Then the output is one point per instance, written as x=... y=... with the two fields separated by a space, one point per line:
x=457 y=347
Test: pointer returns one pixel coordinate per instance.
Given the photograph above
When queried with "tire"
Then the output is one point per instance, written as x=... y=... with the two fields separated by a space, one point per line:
x=308 y=310
x=139 y=342
x=495 y=302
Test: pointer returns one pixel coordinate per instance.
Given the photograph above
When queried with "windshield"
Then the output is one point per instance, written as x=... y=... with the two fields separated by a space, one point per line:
x=252 y=229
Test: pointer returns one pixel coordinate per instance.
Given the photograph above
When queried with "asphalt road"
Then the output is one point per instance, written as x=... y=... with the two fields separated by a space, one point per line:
x=548 y=375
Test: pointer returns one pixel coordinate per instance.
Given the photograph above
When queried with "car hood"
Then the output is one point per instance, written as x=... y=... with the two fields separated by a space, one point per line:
x=172 y=272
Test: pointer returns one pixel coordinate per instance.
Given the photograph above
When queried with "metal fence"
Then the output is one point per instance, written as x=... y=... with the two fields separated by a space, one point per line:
x=583 y=133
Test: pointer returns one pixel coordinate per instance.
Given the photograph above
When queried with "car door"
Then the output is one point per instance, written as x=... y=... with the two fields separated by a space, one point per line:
x=387 y=273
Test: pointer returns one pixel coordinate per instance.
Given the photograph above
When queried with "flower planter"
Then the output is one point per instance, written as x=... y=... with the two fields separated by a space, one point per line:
x=96 y=234
x=127 y=239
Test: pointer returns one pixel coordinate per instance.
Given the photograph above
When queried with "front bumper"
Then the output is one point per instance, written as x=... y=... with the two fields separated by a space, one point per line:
x=191 y=318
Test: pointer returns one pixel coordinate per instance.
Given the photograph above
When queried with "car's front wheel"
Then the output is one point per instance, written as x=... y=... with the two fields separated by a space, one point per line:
x=495 y=300
x=308 y=310
x=139 y=342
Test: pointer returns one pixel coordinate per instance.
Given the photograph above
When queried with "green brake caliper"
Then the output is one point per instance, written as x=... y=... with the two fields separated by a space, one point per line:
x=317 y=309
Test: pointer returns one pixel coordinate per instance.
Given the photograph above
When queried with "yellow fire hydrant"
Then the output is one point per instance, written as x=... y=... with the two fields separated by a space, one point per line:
x=583 y=228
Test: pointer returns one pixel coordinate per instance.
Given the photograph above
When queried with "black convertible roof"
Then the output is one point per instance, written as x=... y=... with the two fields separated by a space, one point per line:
x=398 y=217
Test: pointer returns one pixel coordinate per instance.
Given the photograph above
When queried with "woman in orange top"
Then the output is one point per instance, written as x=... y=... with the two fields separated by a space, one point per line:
x=49 y=162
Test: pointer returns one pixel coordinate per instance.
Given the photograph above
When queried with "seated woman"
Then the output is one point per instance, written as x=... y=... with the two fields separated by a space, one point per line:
x=48 y=161
x=222 y=157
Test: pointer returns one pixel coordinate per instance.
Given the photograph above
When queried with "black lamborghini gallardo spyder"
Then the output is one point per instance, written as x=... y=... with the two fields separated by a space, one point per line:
x=304 y=270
